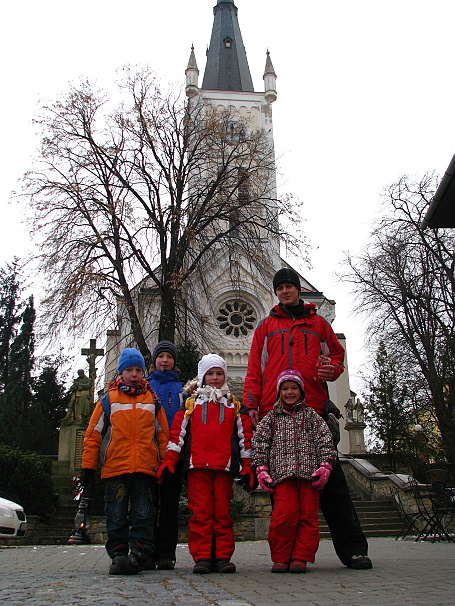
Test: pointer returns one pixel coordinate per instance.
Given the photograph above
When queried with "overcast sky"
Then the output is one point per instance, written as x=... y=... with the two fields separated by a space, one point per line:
x=365 y=95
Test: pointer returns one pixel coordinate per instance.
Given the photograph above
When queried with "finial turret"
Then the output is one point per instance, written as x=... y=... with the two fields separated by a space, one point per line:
x=269 y=80
x=192 y=76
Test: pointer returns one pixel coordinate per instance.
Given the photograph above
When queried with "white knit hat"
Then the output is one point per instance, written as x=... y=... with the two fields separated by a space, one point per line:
x=206 y=363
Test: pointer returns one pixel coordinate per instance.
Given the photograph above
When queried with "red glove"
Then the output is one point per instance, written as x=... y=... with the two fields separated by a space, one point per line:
x=264 y=479
x=247 y=476
x=167 y=466
x=321 y=476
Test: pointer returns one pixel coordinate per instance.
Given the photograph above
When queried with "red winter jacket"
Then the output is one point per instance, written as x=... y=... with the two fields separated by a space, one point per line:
x=281 y=342
x=213 y=435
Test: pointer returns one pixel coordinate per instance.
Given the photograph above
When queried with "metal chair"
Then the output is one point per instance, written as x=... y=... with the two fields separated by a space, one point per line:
x=443 y=504
x=409 y=518
x=433 y=525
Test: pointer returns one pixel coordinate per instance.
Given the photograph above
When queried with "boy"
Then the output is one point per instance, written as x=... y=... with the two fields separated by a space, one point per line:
x=214 y=433
x=129 y=441
x=166 y=384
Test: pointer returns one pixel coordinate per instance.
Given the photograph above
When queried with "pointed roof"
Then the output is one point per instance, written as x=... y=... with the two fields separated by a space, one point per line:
x=269 y=69
x=227 y=65
x=192 y=64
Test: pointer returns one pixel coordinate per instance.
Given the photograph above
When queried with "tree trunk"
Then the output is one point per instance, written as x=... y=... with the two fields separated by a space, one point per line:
x=167 y=315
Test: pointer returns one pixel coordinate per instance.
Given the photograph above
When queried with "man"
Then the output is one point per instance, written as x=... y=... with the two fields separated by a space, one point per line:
x=294 y=336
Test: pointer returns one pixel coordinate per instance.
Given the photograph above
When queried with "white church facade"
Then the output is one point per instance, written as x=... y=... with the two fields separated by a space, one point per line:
x=229 y=309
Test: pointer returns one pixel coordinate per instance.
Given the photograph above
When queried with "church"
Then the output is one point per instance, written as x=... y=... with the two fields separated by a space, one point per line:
x=229 y=308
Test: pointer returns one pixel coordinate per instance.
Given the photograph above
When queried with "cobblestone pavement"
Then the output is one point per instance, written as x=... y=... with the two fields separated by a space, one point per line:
x=404 y=573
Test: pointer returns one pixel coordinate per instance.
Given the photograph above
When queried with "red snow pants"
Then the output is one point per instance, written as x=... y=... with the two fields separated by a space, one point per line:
x=294 y=525
x=209 y=501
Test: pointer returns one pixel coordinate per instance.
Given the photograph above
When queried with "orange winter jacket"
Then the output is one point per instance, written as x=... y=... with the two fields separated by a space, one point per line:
x=133 y=441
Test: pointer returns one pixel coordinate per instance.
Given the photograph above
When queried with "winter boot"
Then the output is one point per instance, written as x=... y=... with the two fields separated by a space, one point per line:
x=137 y=560
x=119 y=560
x=202 y=567
x=224 y=566
x=297 y=566
x=360 y=562
x=280 y=567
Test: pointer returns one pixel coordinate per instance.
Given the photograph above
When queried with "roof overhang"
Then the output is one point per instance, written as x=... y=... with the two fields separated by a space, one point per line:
x=441 y=212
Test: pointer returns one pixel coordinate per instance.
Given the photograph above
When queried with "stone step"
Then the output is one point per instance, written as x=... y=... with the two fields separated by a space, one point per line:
x=378 y=518
x=386 y=504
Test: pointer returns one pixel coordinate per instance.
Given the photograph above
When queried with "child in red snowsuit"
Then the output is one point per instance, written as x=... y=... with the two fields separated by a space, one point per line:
x=293 y=453
x=213 y=432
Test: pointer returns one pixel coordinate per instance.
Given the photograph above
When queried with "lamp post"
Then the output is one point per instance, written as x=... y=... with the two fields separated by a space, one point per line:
x=420 y=441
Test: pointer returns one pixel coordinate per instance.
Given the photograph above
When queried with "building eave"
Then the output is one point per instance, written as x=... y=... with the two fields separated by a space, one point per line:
x=441 y=212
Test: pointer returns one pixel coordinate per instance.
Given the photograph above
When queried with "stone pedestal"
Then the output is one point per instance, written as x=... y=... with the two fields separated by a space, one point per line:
x=356 y=433
x=70 y=446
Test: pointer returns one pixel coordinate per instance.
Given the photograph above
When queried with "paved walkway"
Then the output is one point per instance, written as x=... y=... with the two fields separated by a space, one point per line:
x=404 y=573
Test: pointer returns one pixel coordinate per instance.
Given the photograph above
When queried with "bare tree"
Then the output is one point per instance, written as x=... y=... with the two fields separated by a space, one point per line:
x=404 y=282
x=155 y=188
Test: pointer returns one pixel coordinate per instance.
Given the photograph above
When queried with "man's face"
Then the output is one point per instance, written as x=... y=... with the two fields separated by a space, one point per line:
x=287 y=294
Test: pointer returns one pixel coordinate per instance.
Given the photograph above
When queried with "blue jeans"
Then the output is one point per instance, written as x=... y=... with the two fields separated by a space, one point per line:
x=130 y=512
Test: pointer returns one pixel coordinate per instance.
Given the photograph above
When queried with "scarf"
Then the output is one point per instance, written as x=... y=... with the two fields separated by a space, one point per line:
x=207 y=393
x=134 y=390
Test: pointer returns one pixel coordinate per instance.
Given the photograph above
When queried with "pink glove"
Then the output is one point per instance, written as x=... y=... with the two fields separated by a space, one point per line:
x=321 y=476
x=262 y=473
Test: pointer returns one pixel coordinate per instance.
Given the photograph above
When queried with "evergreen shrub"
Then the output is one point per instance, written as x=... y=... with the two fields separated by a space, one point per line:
x=26 y=479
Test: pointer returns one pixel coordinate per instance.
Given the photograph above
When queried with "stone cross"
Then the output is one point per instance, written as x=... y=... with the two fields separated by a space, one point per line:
x=92 y=353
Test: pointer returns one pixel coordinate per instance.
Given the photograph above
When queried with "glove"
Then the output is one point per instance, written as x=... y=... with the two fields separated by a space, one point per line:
x=264 y=479
x=87 y=477
x=321 y=475
x=254 y=416
x=247 y=476
x=167 y=466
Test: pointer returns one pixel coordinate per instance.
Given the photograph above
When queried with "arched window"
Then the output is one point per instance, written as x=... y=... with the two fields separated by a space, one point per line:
x=236 y=318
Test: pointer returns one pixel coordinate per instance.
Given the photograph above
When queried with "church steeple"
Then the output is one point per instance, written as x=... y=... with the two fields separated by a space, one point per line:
x=227 y=66
x=192 y=75
x=269 y=80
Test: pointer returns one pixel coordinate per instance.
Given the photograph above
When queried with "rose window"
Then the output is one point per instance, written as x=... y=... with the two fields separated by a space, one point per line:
x=236 y=318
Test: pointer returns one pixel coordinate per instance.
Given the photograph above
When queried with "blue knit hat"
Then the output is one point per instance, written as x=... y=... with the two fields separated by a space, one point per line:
x=130 y=357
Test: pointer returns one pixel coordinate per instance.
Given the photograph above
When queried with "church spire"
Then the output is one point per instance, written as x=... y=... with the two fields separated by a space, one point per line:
x=227 y=66
x=192 y=75
x=269 y=80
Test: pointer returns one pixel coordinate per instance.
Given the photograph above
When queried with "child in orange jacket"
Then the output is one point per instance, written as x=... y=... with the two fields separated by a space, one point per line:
x=129 y=440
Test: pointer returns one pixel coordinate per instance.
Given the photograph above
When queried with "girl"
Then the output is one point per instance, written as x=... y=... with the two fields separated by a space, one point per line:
x=213 y=433
x=293 y=453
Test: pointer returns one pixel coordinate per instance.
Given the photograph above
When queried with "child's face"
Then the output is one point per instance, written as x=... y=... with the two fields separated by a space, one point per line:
x=290 y=393
x=164 y=361
x=132 y=375
x=214 y=377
